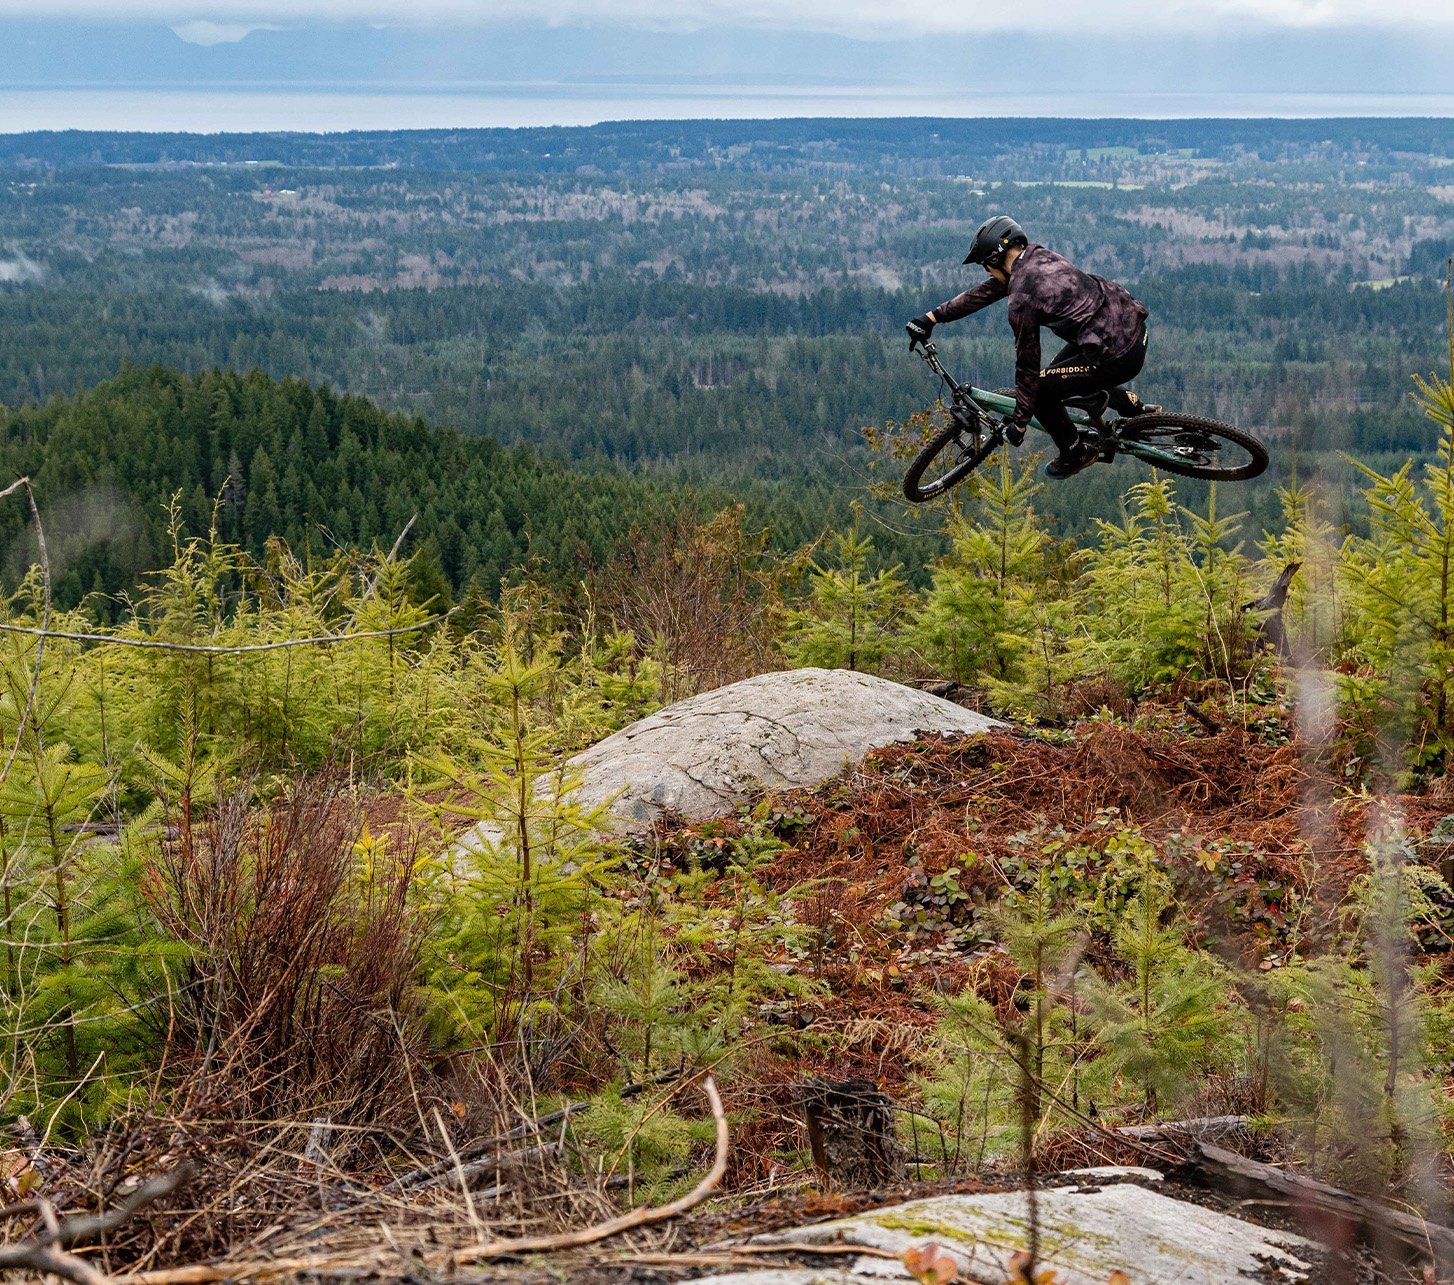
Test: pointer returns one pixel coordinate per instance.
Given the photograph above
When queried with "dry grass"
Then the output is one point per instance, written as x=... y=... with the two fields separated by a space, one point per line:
x=298 y=995
x=300 y=1084
x=698 y=592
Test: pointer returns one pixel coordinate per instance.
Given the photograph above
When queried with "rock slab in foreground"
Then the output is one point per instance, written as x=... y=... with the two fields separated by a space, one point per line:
x=703 y=756
x=1084 y=1236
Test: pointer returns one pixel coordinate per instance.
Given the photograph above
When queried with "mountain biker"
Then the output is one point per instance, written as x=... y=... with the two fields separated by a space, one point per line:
x=1103 y=326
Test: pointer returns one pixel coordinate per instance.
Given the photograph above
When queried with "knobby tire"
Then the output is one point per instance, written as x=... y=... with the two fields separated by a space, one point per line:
x=913 y=475
x=1162 y=431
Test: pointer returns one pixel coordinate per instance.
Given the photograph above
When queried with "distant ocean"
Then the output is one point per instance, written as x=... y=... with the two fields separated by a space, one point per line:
x=329 y=109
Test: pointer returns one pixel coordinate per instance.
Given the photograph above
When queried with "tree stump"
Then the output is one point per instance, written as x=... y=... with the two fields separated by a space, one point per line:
x=1269 y=633
x=850 y=1126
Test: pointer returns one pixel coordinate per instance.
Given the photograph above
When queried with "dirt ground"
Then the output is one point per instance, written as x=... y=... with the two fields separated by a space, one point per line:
x=1260 y=838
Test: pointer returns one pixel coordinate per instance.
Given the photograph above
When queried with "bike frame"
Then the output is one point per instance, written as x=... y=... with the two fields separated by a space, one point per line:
x=996 y=403
x=1103 y=435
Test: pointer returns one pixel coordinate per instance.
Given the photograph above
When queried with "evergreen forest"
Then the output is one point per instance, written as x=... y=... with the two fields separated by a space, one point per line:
x=724 y=301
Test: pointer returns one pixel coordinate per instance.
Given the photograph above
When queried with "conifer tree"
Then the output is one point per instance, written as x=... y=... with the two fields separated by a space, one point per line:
x=517 y=891
x=980 y=622
x=1168 y=1024
x=1160 y=591
x=1399 y=582
x=852 y=616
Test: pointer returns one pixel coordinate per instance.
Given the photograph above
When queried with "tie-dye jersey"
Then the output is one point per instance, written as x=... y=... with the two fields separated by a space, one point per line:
x=1048 y=290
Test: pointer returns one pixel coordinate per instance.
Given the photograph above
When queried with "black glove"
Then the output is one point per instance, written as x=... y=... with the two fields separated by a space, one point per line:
x=1014 y=433
x=920 y=329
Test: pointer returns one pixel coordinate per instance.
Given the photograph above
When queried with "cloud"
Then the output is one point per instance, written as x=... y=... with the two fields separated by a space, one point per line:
x=217 y=21
x=20 y=268
x=204 y=32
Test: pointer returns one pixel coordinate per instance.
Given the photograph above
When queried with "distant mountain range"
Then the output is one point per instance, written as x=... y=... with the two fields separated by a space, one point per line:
x=54 y=53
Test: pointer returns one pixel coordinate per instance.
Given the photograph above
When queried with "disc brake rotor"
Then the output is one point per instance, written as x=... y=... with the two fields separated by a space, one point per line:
x=1195 y=447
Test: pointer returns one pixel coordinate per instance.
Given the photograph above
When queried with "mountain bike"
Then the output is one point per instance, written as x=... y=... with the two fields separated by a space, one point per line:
x=1184 y=444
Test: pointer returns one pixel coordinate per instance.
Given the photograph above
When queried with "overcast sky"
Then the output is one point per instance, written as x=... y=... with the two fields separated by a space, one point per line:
x=582 y=61
x=863 y=18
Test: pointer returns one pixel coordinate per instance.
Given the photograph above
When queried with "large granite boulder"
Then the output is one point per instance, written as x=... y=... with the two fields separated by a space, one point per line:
x=703 y=756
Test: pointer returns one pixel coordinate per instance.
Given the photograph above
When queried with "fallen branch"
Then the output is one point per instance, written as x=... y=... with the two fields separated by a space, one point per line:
x=1179 y=1130
x=467 y=1173
x=717 y=1258
x=1201 y=716
x=1337 y=1217
x=795 y=1247
x=46 y=1260
x=636 y=1218
x=207 y=1274
x=240 y=1271
x=743 y=1255
x=44 y=1252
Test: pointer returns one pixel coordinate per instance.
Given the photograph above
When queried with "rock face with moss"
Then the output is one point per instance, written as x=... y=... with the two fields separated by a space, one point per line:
x=1085 y=1234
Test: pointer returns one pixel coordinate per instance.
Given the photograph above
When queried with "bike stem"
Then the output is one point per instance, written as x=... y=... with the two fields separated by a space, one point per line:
x=930 y=354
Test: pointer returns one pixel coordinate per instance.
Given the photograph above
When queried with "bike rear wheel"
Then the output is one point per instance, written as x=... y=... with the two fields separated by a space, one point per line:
x=962 y=452
x=1192 y=446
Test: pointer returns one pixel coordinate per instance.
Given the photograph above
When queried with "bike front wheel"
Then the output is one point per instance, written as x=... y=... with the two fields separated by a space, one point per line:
x=951 y=455
x=1192 y=446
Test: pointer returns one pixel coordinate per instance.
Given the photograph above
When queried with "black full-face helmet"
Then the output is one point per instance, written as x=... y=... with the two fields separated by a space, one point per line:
x=995 y=236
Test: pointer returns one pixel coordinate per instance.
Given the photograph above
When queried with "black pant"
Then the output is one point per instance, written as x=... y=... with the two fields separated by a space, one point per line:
x=1076 y=371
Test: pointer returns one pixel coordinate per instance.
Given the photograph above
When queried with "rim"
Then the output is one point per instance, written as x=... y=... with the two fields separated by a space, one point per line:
x=950 y=462
x=951 y=458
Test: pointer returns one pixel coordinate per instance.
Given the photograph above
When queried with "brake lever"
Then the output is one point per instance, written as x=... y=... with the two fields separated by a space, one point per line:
x=1002 y=427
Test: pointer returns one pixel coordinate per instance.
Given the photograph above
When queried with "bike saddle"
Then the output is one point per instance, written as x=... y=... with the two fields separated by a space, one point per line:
x=1094 y=404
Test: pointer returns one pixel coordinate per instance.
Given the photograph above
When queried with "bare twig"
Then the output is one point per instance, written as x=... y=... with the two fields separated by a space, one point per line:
x=441 y=1170
x=48 y=1261
x=464 y=1186
x=207 y=650
x=373 y=585
x=399 y=543
x=636 y=1218
x=81 y=1227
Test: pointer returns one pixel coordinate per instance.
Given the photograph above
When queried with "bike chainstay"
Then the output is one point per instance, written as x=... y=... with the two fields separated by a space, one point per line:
x=1111 y=443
